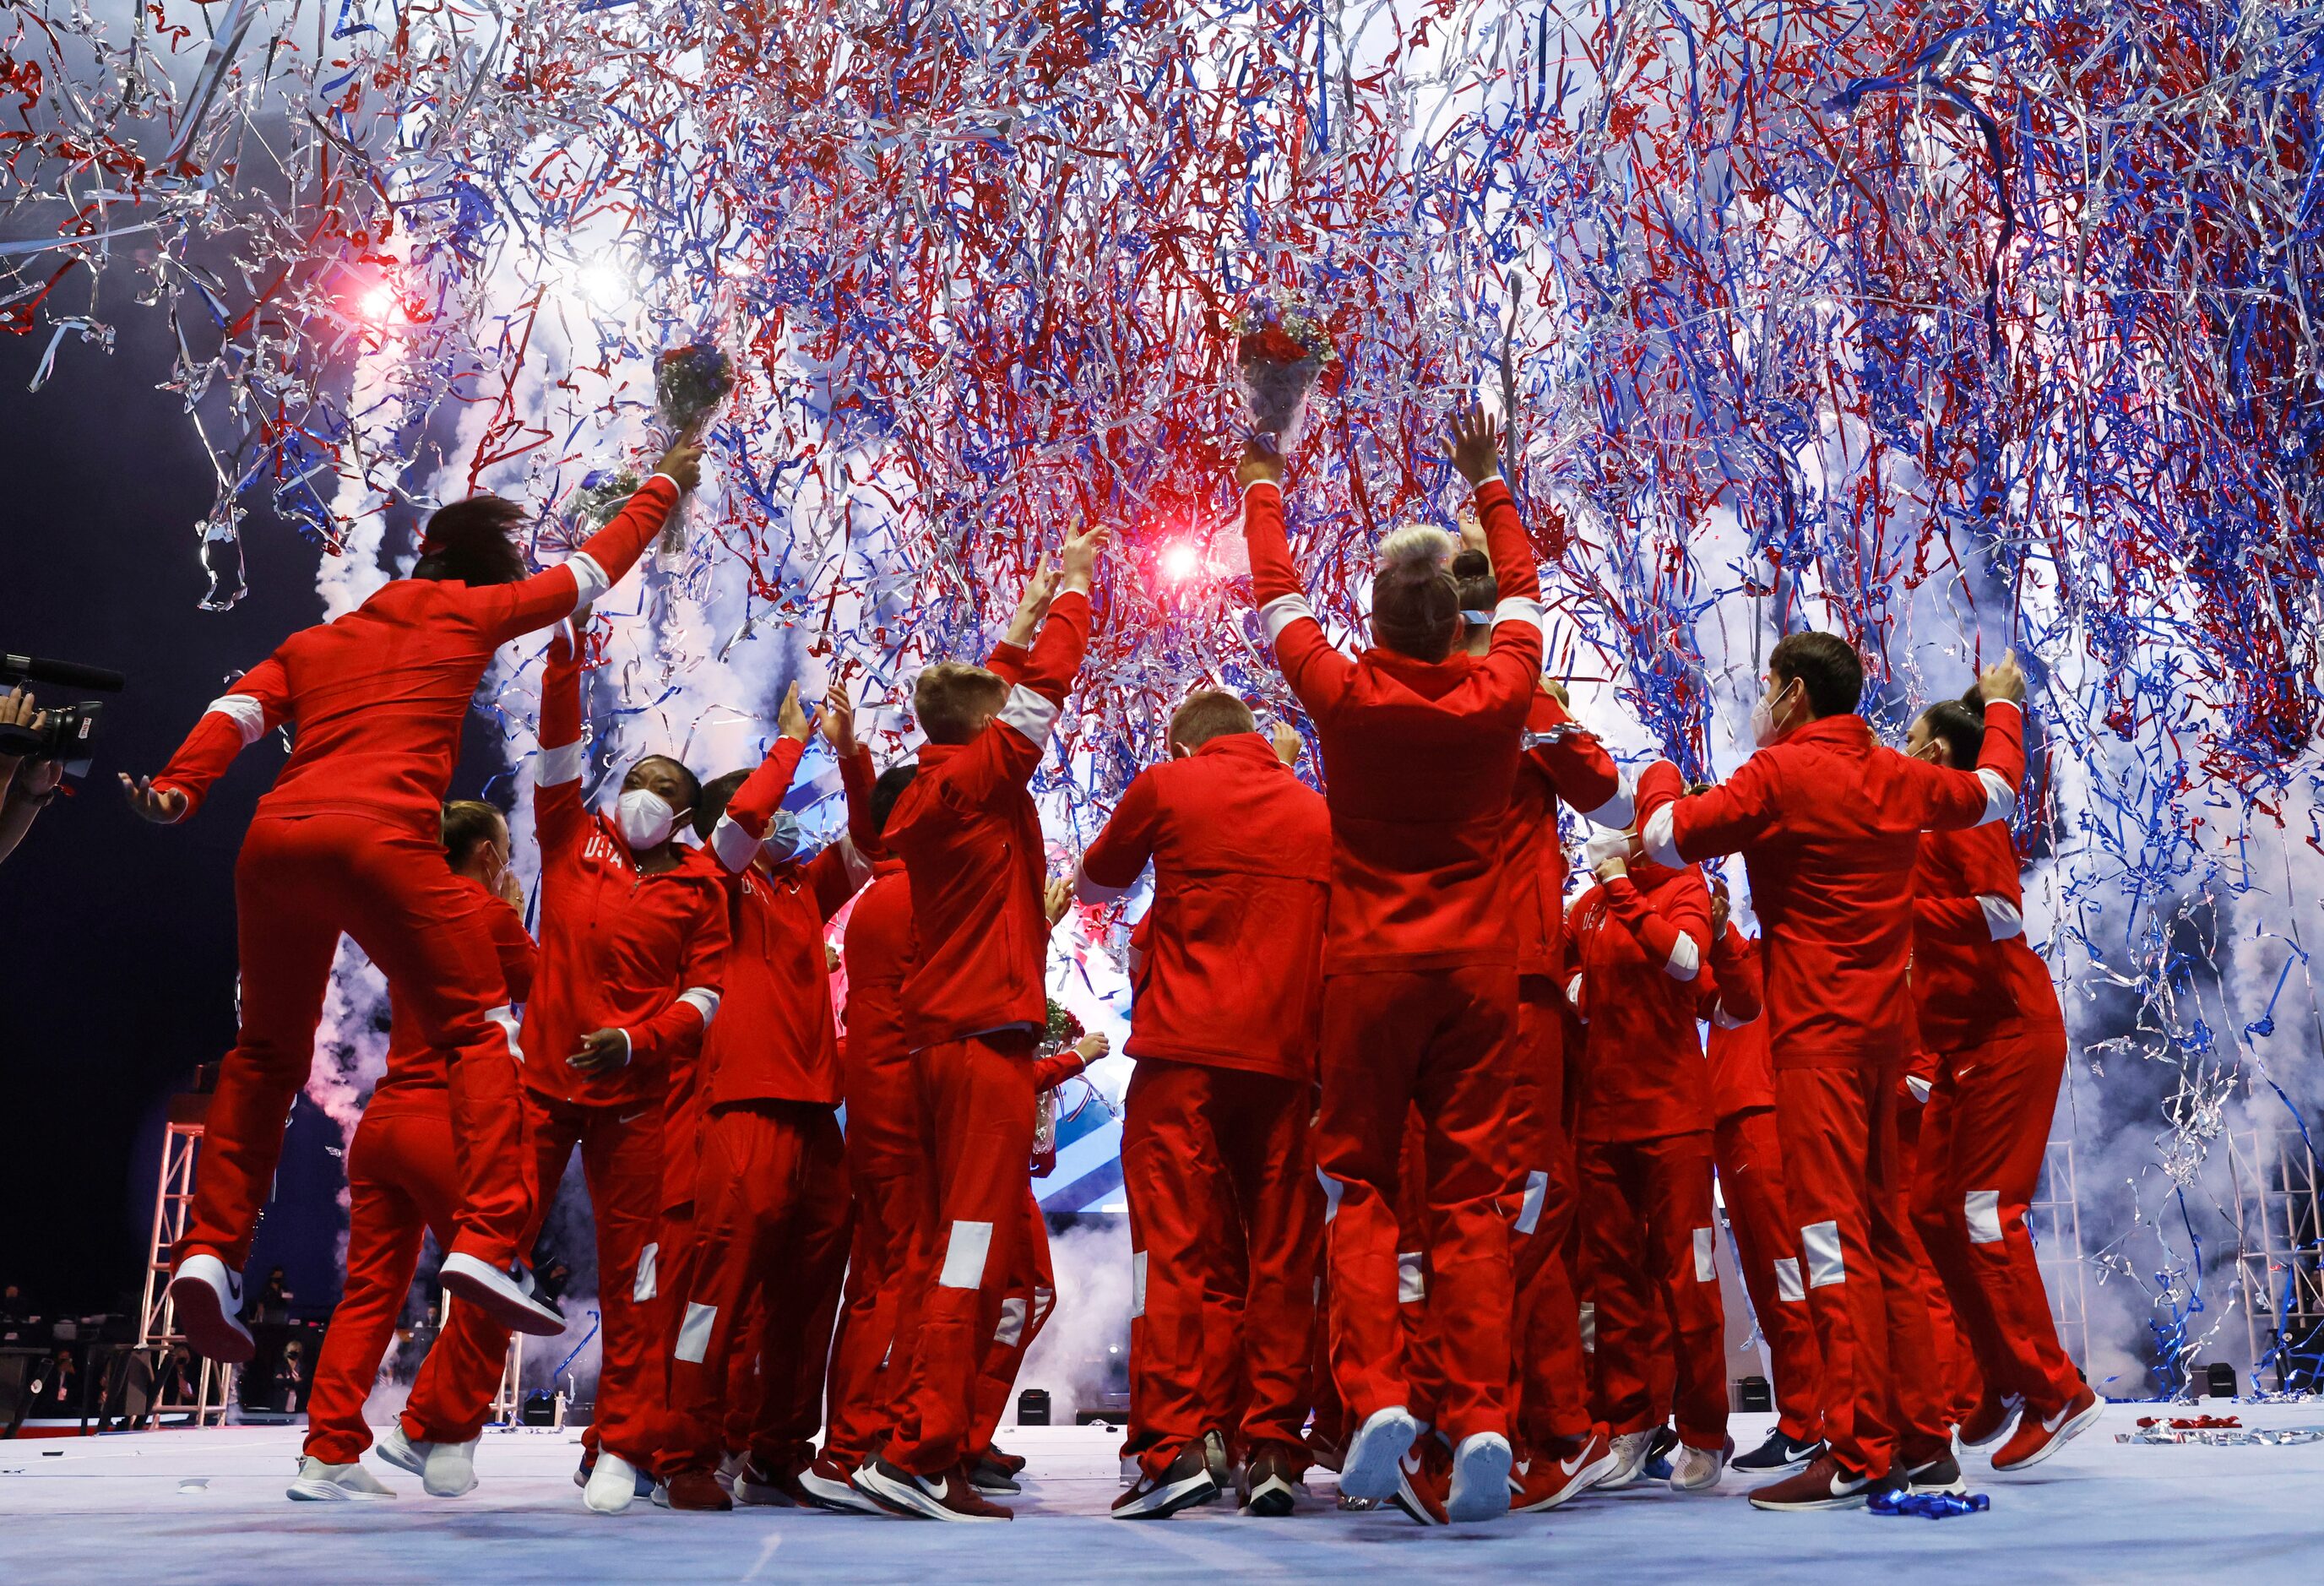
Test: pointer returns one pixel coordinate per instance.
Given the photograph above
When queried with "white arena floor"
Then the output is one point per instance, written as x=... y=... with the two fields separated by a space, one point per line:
x=196 y=1507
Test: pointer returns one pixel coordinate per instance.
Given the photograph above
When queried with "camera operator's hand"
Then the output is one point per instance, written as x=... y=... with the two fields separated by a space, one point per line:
x=162 y=805
x=17 y=710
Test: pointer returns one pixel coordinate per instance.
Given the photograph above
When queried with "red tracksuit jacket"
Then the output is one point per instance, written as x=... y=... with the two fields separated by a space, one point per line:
x=1829 y=823
x=377 y=696
x=417 y=1077
x=970 y=837
x=1565 y=762
x=878 y=954
x=1742 y=1071
x=1419 y=758
x=619 y=950
x=1639 y=941
x=775 y=1040
x=1233 y=975
x=1974 y=978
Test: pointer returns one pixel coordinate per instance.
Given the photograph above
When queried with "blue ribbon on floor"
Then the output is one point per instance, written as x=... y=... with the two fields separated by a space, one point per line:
x=1930 y=1505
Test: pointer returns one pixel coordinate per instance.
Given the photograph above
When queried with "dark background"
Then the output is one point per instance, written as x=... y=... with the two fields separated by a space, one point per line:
x=120 y=936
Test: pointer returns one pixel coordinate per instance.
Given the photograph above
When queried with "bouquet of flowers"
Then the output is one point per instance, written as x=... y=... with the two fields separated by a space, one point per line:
x=689 y=382
x=603 y=493
x=1063 y=1030
x=1282 y=354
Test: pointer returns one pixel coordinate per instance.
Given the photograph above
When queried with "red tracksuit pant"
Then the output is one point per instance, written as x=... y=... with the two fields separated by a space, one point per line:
x=1654 y=1245
x=1983 y=1138
x=1548 y=1380
x=1954 y=1374
x=300 y=883
x=1439 y=1039
x=401 y=1185
x=1843 y=1177
x=1026 y=1307
x=1222 y=1195
x=1767 y=1249
x=976 y=1153
x=883 y=1151
x=770 y=1218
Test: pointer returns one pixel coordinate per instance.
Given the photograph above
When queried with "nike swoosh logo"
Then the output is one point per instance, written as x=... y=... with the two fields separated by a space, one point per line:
x=1411 y=1466
x=1574 y=1464
x=633 y=1117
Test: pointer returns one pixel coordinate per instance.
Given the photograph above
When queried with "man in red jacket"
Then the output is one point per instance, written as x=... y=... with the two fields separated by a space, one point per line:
x=1639 y=939
x=1828 y=824
x=634 y=939
x=1559 y=1451
x=970 y=836
x=1988 y=1009
x=403 y=1184
x=1420 y=749
x=1751 y=1177
x=772 y=1202
x=346 y=843
x=1215 y=1155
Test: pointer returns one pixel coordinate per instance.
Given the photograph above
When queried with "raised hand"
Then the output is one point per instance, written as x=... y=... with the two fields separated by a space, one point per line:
x=790 y=716
x=1056 y=898
x=1090 y=1047
x=1079 y=560
x=1286 y=738
x=1476 y=445
x=683 y=460
x=2004 y=679
x=838 y=718
x=1033 y=605
x=1258 y=462
x=162 y=805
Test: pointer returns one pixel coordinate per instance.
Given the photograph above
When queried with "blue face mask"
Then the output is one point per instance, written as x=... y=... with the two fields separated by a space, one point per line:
x=783 y=839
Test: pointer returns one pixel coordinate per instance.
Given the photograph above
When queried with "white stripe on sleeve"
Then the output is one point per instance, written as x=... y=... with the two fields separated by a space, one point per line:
x=1517 y=609
x=859 y=869
x=1031 y=717
x=1283 y=611
x=2001 y=917
x=248 y=716
x=562 y=764
x=1615 y=812
x=589 y=580
x=732 y=844
x=2000 y=798
x=1660 y=843
x=1685 y=959
x=703 y=1000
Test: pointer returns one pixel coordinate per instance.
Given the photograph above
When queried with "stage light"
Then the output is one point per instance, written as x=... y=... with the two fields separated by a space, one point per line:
x=379 y=304
x=1181 y=562
x=604 y=283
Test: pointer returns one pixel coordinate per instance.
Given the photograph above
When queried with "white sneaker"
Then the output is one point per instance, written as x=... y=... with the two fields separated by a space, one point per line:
x=1629 y=1455
x=320 y=1483
x=206 y=1300
x=1696 y=1470
x=505 y=1296
x=1480 y=1479
x=613 y=1485
x=451 y=1470
x=1371 y=1467
x=394 y=1447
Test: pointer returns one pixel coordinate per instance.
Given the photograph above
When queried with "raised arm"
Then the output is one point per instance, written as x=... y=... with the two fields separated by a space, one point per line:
x=1006 y=753
x=1675 y=829
x=1513 y=661
x=259 y=703
x=558 y=813
x=742 y=824
x=1953 y=800
x=1577 y=764
x=506 y=611
x=1315 y=670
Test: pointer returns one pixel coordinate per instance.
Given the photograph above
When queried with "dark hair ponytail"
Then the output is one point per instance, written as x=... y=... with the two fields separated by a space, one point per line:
x=1959 y=723
x=473 y=541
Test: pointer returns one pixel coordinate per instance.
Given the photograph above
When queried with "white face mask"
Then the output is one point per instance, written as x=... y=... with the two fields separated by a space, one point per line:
x=645 y=818
x=783 y=837
x=1762 y=720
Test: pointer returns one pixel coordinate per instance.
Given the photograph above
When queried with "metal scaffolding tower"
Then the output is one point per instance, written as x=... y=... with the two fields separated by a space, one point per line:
x=2279 y=1219
x=2055 y=1219
x=206 y=1397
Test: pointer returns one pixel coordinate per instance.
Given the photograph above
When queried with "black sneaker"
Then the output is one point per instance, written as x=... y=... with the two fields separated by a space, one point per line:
x=987 y=1475
x=1942 y=1474
x=1780 y=1455
x=1185 y=1484
x=1268 y=1488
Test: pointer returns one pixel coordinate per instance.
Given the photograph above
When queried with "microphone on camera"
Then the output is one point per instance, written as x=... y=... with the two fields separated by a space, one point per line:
x=64 y=674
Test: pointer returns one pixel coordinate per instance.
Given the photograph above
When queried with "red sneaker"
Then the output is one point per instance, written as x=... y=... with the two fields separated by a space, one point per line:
x=827 y=1485
x=1823 y=1485
x=2038 y=1437
x=1542 y=1482
x=698 y=1490
x=945 y=1497
x=762 y=1488
x=1013 y=1463
x=1424 y=1481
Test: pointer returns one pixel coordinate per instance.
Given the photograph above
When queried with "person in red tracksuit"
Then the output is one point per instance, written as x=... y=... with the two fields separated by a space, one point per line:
x=1559 y=1451
x=1953 y=1372
x=1640 y=937
x=403 y=1184
x=1988 y=1008
x=771 y=1206
x=1830 y=824
x=881 y=1150
x=1215 y=1154
x=1420 y=747
x=970 y=835
x=1751 y=1177
x=634 y=939
x=346 y=842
